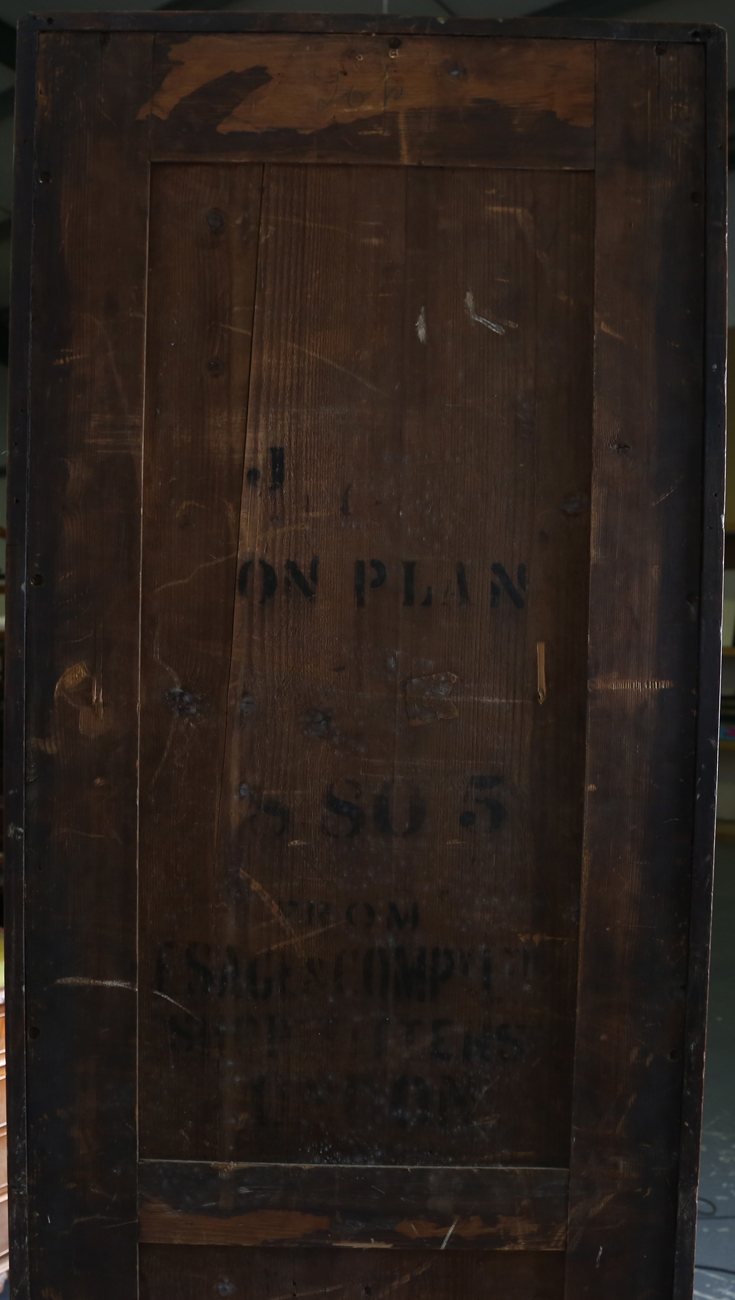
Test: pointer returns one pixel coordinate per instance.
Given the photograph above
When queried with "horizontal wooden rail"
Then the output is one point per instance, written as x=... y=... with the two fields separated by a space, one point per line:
x=520 y=104
x=496 y=1208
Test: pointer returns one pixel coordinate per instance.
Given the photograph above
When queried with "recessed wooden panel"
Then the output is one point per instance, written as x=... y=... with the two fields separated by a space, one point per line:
x=370 y=950
x=364 y=99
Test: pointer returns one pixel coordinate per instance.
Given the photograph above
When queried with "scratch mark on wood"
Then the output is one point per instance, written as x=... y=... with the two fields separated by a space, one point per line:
x=270 y=903
x=179 y=582
x=469 y=302
x=541 y=670
x=605 y=329
x=403 y=1281
x=320 y=1290
x=299 y=939
x=673 y=488
x=120 y=386
x=81 y=981
x=88 y=835
x=654 y=684
x=513 y=1227
x=451 y=1230
x=235 y=329
x=327 y=361
x=580 y=1214
x=157 y=994
x=421 y=325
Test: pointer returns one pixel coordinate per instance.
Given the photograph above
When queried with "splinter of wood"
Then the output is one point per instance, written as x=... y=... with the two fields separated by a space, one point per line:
x=541 y=670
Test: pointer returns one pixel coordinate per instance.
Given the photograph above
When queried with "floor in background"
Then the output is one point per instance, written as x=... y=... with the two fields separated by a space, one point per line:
x=716 y=1223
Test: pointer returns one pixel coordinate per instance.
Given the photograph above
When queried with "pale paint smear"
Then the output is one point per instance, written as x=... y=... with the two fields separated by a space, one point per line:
x=421 y=325
x=469 y=302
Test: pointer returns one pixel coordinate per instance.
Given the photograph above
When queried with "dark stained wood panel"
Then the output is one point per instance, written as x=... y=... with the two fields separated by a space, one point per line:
x=311 y=644
x=390 y=99
x=342 y=1205
x=82 y=580
x=333 y=997
x=644 y=649
x=188 y=1274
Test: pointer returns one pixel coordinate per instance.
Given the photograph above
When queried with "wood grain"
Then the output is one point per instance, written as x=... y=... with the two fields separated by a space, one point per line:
x=385 y=100
x=82 y=580
x=363 y=500
x=204 y=242
x=530 y=28
x=4 y=1221
x=348 y=1274
x=278 y=1205
x=15 y=676
x=341 y=1001
x=641 y=732
x=710 y=657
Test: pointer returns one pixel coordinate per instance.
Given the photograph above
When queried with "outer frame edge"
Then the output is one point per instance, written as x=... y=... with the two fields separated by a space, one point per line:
x=14 y=775
x=233 y=22
x=710 y=653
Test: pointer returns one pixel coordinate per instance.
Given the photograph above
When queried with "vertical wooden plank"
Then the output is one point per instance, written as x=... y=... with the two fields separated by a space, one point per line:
x=644 y=603
x=715 y=360
x=204 y=245
x=15 y=607
x=82 y=583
